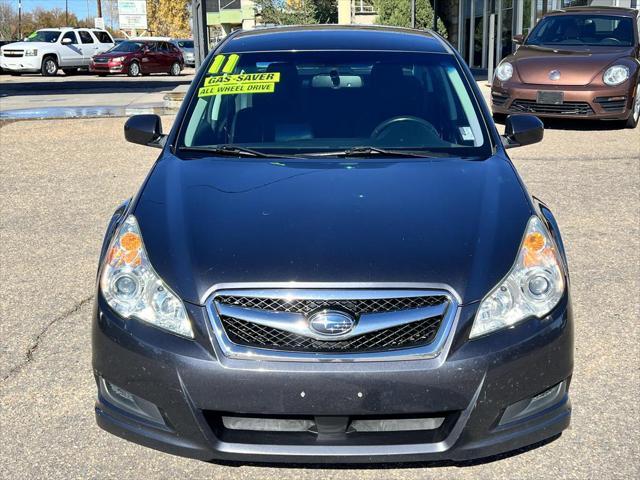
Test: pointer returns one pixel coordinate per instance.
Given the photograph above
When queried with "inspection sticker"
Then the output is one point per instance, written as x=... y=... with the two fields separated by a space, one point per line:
x=240 y=83
x=466 y=133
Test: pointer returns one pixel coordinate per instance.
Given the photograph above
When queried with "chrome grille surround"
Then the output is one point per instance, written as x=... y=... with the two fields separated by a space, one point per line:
x=288 y=310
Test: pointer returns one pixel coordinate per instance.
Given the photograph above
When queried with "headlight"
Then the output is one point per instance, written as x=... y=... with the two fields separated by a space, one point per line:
x=117 y=59
x=31 y=52
x=533 y=287
x=615 y=75
x=132 y=288
x=504 y=71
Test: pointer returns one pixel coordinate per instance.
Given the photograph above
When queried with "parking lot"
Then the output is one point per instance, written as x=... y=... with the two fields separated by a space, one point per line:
x=61 y=179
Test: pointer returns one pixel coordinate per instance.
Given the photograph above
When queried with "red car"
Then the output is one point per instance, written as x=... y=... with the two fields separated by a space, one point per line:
x=139 y=57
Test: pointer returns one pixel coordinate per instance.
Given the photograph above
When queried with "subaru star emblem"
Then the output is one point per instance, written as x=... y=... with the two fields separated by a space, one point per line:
x=554 y=75
x=331 y=323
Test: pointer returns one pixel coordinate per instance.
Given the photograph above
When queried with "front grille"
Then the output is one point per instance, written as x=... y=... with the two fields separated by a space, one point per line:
x=408 y=335
x=100 y=60
x=13 y=53
x=612 y=104
x=566 y=108
x=355 y=307
x=280 y=319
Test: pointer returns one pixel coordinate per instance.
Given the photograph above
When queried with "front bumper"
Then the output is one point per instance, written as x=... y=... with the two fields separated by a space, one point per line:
x=582 y=102
x=472 y=386
x=29 y=64
x=105 y=68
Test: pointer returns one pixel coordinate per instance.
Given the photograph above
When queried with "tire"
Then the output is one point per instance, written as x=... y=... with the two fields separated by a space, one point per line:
x=49 y=66
x=70 y=71
x=134 y=69
x=632 y=121
x=499 y=117
x=175 y=69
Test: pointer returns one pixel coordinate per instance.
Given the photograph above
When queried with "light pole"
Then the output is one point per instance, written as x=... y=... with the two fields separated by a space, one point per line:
x=19 y=19
x=413 y=13
x=66 y=12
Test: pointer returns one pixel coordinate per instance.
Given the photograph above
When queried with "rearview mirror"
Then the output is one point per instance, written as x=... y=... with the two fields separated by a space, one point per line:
x=144 y=130
x=66 y=41
x=522 y=130
x=518 y=39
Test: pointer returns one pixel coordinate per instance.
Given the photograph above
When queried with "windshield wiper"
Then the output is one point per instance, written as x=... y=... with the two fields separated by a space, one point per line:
x=373 y=151
x=231 y=151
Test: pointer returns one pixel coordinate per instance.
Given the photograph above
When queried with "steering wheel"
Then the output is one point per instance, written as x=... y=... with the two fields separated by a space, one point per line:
x=611 y=39
x=400 y=123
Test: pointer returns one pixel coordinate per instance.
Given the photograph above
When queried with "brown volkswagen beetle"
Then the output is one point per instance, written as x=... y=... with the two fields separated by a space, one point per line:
x=581 y=62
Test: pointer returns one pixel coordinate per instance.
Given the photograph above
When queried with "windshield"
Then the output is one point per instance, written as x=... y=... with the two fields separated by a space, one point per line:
x=49 y=36
x=127 y=47
x=589 y=30
x=313 y=102
x=185 y=43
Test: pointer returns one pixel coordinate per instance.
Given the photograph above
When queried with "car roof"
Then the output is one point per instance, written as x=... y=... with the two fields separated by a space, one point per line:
x=66 y=29
x=627 y=12
x=335 y=37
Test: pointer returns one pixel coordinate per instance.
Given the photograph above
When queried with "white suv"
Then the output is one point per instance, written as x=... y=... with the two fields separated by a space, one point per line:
x=50 y=49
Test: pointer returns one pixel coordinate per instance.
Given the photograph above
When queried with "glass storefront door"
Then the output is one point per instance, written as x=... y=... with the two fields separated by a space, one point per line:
x=511 y=17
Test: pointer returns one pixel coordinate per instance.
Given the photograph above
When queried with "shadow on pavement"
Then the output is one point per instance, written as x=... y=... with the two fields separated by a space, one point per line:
x=579 y=125
x=387 y=466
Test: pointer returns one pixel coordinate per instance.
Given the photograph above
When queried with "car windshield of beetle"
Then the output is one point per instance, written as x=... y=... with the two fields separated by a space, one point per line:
x=314 y=102
x=127 y=47
x=48 y=36
x=587 y=30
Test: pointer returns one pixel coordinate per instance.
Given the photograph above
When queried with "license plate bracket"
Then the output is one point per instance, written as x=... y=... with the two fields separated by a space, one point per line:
x=550 y=98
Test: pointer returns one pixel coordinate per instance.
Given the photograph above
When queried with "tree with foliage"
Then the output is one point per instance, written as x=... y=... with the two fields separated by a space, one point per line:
x=286 y=12
x=398 y=13
x=169 y=18
x=326 y=11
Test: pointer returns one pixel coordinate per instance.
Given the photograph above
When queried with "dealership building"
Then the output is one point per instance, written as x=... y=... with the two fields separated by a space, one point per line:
x=481 y=30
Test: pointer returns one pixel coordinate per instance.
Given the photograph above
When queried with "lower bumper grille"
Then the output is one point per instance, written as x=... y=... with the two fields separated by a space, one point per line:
x=566 y=108
x=312 y=324
x=499 y=99
x=612 y=104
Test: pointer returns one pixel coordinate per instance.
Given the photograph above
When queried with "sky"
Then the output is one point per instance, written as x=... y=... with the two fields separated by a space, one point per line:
x=82 y=8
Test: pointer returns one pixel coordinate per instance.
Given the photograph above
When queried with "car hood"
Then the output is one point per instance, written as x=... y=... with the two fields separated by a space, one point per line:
x=25 y=45
x=577 y=65
x=113 y=54
x=442 y=221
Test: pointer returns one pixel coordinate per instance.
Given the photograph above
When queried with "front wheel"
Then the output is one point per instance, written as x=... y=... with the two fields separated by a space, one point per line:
x=634 y=117
x=175 y=69
x=49 y=67
x=134 y=69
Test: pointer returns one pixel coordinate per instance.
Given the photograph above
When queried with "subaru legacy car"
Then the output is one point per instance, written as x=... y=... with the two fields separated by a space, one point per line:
x=582 y=62
x=333 y=260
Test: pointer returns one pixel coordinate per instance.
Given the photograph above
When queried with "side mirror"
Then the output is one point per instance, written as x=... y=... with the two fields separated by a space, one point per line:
x=522 y=130
x=144 y=130
x=518 y=39
x=66 y=41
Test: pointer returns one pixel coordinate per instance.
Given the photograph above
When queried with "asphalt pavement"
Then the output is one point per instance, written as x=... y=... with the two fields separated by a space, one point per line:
x=61 y=179
x=33 y=91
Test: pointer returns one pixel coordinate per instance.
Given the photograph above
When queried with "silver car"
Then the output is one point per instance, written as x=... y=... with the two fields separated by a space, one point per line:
x=186 y=47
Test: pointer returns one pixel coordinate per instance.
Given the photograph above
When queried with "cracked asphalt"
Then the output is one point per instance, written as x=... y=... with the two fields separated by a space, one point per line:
x=61 y=179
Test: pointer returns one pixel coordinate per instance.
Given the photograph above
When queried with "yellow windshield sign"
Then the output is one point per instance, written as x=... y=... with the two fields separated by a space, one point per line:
x=240 y=83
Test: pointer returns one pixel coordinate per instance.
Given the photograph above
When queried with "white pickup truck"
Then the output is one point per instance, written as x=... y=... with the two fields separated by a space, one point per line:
x=50 y=49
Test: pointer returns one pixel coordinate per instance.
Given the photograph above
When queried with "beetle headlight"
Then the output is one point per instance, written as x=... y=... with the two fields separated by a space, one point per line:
x=615 y=75
x=132 y=288
x=504 y=71
x=533 y=287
